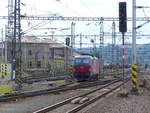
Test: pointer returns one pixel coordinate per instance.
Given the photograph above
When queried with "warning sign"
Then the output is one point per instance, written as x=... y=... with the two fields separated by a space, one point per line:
x=5 y=70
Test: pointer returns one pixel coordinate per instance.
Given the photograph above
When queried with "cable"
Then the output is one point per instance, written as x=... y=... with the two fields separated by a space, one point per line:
x=35 y=9
x=88 y=8
x=27 y=8
x=68 y=8
x=143 y=9
x=32 y=27
x=144 y=13
x=36 y=26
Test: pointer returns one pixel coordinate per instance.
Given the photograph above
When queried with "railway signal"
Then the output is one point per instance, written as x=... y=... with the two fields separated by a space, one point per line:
x=122 y=17
x=67 y=41
x=123 y=29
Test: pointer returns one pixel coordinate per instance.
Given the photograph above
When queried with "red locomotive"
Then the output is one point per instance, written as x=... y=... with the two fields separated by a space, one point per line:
x=86 y=68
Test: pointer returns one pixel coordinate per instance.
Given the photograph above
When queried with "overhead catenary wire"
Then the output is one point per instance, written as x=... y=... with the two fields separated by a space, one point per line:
x=143 y=9
x=36 y=26
x=144 y=13
x=88 y=8
x=33 y=11
x=66 y=6
x=26 y=8
x=31 y=8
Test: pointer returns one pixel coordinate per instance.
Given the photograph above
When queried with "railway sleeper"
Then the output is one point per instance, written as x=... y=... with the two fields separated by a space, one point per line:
x=79 y=100
x=76 y=100
x=83 y=100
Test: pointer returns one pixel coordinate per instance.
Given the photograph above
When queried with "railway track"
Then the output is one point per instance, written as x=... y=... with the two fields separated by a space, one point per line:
x=16 y=95
x=62 y=88
x=52 y=76
x=31 y=79
x=146 y=78
x=36 y=76
x=66 y=106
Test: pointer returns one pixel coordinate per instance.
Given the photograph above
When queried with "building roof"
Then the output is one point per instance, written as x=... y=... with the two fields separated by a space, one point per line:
x=33 y=39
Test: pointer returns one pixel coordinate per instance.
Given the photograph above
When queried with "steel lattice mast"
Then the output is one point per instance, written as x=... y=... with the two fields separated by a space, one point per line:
x=16 y=44
x=10 y=24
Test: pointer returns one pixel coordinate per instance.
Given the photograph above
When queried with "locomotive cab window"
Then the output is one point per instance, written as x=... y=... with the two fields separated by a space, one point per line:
x=82 y=61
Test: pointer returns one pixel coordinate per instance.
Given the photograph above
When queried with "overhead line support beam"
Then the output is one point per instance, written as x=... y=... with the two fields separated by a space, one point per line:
x=77 y=18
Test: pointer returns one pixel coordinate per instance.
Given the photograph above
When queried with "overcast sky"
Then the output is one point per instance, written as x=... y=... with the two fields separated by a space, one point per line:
x=78 y=8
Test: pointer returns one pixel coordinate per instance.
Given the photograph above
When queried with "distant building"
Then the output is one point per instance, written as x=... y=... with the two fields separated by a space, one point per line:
x=143 y=54
x=142 y=50
x=36 y=52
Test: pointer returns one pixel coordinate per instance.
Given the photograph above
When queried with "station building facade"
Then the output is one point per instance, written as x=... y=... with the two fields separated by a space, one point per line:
x=36 y=52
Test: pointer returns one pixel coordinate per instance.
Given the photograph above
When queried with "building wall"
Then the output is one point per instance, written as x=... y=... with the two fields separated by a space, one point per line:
x=38 y=55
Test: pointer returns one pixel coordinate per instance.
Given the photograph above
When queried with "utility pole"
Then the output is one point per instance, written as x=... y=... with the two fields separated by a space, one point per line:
x=52 y=34
x=2 y=46
x=134 y=65
x=72 y=38
x=67 y=55
x=2 y=62
x=5 y=45
x=113 y=43
x=101 y=46
x=80 y=41
x=94 y=46
x=133 y=31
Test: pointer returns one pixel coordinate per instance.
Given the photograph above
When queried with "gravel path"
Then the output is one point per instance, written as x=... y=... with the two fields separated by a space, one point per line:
x=115 y=104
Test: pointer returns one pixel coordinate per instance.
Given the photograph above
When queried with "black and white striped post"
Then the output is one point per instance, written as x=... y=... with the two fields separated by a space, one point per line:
x=134 y=78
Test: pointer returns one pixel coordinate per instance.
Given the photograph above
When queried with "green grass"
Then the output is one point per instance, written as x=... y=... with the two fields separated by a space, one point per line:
x=57 y=60
x=60 y=81
x=6 y=89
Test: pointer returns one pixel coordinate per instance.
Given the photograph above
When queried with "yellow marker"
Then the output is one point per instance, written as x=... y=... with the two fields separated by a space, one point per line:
x=5 y=69
x=2 y=68
x=134 y=78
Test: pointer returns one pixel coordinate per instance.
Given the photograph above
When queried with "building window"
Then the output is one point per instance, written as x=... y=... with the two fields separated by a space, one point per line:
x=38 y=64
x=29 y=64
x=52 y=52
x=11 y=52
x=30 y=52
x=38 y=54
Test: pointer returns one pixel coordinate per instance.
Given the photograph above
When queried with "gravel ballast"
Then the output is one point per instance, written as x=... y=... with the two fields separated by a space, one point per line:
x=115 y=104
x=31 y=104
